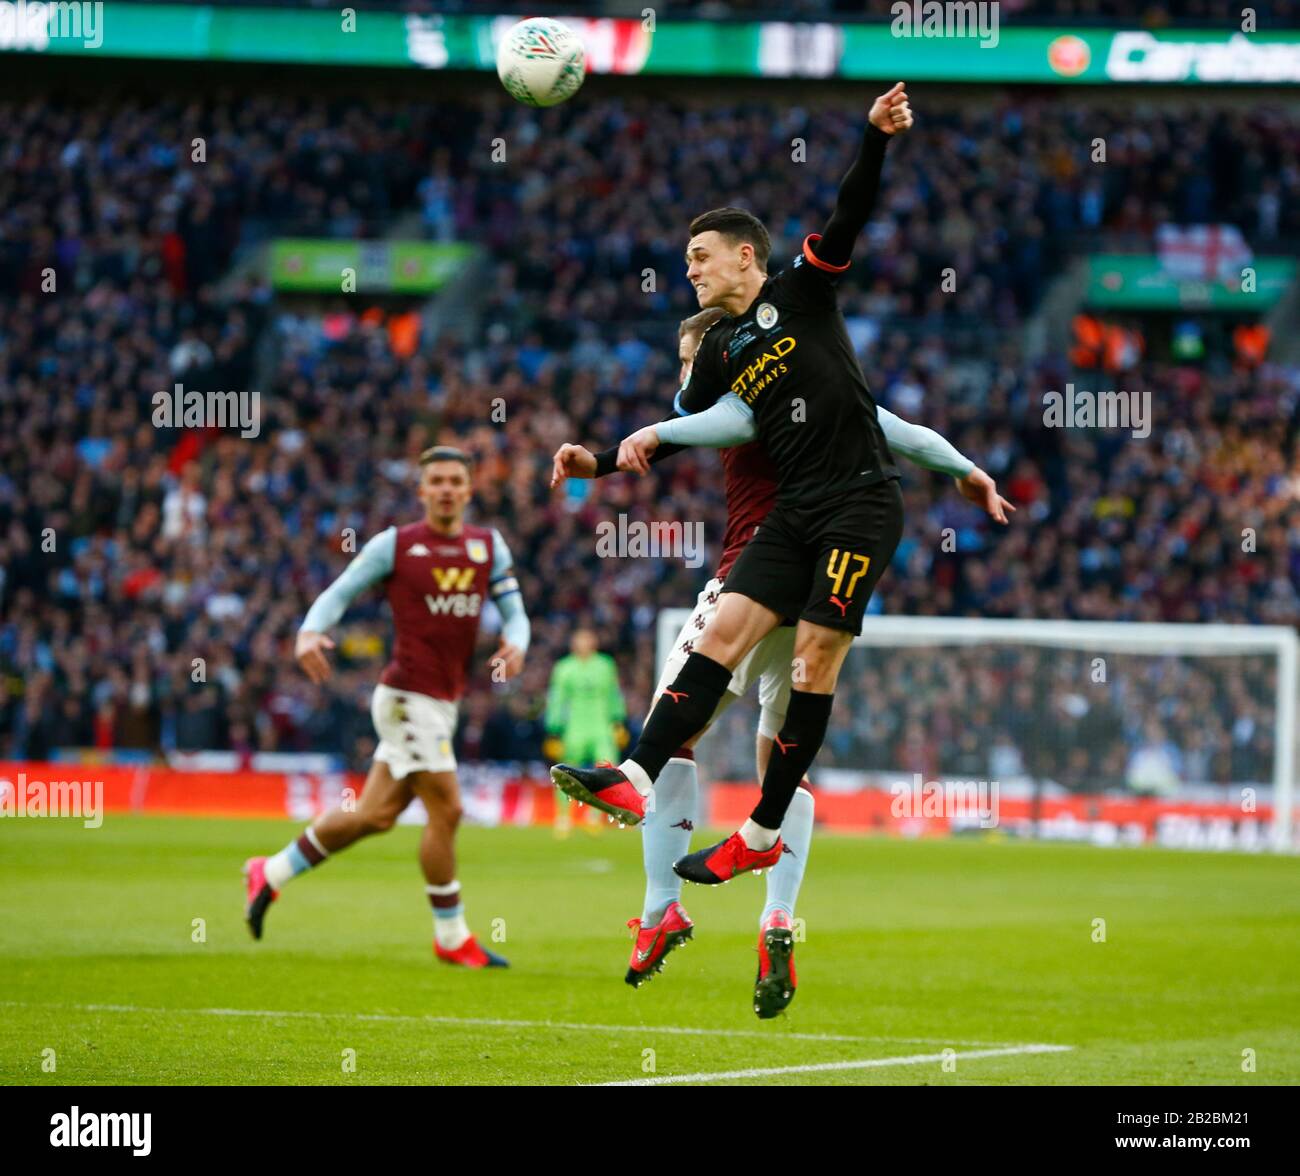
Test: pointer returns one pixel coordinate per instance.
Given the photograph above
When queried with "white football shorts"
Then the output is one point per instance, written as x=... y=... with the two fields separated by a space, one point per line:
x=415 y=731
x=768 y=663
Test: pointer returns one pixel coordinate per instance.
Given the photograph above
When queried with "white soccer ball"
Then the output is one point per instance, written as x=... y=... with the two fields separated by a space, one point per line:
x=541 y=62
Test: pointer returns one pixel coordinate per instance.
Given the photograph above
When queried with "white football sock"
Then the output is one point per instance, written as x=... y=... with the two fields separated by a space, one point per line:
x=450 y=933
x=784 y=878
x=291 y=861
x=666 y=835
x=637 y=775
x=449 y=927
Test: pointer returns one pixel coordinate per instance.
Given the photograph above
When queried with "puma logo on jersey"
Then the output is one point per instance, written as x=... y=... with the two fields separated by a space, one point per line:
x=841 y=605
x=685 y=823
x=676 y=695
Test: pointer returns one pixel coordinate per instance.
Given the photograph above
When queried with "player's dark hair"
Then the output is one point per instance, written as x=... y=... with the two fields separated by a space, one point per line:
x=737 y=225
x=447 y=453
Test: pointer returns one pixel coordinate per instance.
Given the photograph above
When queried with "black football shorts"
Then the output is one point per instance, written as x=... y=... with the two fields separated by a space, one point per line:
x=821 y=563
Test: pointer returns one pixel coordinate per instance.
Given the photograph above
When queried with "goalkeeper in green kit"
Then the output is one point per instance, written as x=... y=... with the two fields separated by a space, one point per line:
x=585 y=713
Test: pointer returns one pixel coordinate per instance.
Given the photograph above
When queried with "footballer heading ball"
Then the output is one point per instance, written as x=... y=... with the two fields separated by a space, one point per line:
x=541 y=62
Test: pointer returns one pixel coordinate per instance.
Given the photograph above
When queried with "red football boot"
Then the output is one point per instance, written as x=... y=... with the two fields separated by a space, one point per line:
x=722 y=862
x=774 y=988
x=259 y=895
x=603 y=787
x=654 y=943
x=470 y=955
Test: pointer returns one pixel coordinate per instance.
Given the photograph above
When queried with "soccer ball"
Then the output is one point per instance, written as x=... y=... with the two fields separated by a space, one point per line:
x=541 y=62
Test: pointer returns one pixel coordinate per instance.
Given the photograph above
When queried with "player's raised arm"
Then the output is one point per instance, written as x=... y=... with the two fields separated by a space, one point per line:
x=374 y=562
x=933 y=451
x=890 y=115
x=922 y=446
x=729 y=422
x=576 y=461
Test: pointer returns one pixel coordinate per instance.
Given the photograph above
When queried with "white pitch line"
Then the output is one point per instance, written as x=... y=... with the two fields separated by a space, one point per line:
x=495 y=1022
x=826 y=1067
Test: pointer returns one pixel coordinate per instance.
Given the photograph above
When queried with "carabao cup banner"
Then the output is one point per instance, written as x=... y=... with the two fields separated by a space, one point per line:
x=926 y=46
x=1141 y=281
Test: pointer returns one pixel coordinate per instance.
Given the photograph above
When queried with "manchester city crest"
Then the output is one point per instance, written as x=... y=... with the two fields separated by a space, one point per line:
x=766 y=316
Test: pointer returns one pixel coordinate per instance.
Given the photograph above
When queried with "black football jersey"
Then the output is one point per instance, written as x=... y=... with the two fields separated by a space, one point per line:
x=790 y=359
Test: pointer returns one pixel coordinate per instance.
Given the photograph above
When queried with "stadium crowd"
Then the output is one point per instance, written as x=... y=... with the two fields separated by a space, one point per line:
x=152 y=578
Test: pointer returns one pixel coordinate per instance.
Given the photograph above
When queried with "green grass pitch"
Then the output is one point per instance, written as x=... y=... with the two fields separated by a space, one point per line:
x=912 y=949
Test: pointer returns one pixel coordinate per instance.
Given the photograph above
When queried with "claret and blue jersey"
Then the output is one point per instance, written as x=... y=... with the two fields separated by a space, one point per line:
x=436 y=586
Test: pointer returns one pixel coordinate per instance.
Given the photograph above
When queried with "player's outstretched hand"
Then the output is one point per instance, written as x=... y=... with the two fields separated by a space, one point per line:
x=890 y=112
x=634 y=453
x=982 y=490
x=509 y=658
x=572 y=461
x=310 y=651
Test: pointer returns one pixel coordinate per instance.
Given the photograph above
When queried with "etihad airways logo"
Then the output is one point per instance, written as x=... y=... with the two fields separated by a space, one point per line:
x=763 y=370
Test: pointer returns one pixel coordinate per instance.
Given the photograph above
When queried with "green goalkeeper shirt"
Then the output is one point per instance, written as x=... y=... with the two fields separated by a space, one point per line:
x=584 y=699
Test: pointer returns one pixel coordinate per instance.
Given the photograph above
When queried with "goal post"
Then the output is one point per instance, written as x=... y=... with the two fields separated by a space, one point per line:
x=1170 y=711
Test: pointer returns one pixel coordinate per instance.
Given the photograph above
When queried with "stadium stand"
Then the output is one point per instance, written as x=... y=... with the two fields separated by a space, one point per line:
x=173 y=545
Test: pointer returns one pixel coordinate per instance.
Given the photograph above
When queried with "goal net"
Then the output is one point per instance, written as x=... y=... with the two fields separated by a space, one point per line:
x=1110 y=732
